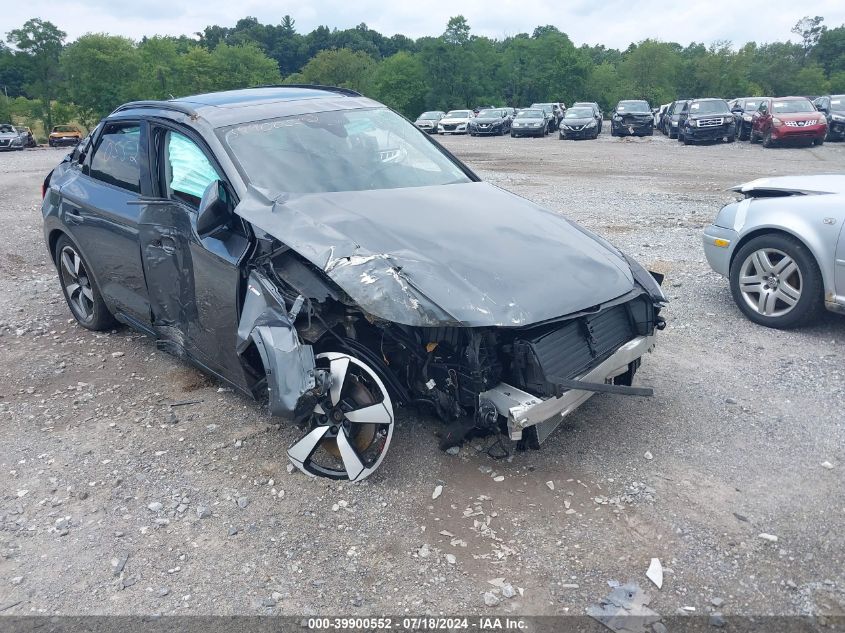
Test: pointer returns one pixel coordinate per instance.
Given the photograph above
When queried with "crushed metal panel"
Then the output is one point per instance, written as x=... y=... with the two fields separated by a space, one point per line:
x=402 y=254
x=289 y=365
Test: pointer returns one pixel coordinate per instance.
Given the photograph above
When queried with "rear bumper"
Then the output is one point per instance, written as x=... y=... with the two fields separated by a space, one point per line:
x=523 y=410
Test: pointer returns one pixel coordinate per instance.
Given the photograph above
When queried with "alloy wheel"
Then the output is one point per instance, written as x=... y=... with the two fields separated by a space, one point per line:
x=350 y=429
x=77 y=284
x=770 y=282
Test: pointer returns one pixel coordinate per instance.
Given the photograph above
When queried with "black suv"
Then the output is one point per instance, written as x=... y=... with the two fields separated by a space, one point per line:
x=671 y=117
x=833 y=108
x=706 y=120
x=743 y=110
x=632 y=117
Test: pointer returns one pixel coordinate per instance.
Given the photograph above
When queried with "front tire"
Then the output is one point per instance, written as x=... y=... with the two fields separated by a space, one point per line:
x=80 y=289
x=767 y=140
x=818 y=141
x=776 y=282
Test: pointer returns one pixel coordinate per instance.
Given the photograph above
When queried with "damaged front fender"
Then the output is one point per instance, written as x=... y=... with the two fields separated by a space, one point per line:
x=288 y=364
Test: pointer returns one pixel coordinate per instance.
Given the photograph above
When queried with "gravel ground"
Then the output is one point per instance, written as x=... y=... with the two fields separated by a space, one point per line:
x=117 y=499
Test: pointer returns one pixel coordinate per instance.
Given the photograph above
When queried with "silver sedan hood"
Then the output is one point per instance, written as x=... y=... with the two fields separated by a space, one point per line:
x=793 y=185
x=465 y=254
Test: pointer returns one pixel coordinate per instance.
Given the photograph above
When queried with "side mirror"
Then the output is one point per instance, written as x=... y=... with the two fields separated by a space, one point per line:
x=214 y=209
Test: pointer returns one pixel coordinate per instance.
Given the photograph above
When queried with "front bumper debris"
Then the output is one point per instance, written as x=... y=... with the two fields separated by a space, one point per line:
x=523 y=410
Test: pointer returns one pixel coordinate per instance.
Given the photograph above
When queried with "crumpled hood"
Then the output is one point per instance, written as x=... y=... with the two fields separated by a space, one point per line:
x=465 y=254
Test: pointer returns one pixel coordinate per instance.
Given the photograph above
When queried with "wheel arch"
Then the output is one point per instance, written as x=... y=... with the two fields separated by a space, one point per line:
x=771 y=230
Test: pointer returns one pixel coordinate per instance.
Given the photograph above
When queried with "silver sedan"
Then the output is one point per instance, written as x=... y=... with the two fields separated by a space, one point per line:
x=783 y=248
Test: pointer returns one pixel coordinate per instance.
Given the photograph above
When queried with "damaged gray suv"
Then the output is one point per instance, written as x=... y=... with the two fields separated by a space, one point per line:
x=313 y=249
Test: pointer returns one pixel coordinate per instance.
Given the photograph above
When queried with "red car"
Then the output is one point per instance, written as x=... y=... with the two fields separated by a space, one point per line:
x=788 y=119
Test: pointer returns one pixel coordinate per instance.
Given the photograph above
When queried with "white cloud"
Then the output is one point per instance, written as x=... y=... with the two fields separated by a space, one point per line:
x=614 y=23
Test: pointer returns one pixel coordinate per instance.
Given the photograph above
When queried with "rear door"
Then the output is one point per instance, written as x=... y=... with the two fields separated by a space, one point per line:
x=99 y=208
x=194 y=282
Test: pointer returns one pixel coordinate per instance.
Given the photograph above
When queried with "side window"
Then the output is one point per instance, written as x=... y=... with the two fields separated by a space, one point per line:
x=187 y=170
x=115 y=160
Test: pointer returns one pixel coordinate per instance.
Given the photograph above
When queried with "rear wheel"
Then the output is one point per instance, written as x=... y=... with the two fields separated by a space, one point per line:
x=776 y=282
x=350 y=430
x=767 y=139
x=80 y=289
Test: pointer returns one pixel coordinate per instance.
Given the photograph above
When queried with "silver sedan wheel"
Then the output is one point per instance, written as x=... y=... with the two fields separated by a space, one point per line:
x=77 y=284
x=350 y=430
x=770 y=282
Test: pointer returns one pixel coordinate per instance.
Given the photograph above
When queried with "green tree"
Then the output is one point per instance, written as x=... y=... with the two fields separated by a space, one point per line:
x=242 y=66
x=342 y=67
x=810 y=29
x=100 y=72
x=42 y=42
x=400 y=82
x=650 y=71
x=829 y=50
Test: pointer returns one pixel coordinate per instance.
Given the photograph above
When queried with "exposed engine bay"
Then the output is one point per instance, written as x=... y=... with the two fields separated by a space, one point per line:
x=449 y=371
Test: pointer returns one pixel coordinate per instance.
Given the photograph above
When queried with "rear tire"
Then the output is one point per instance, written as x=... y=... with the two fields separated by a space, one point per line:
x=752 y=137
x=80 y=288
x=767 y=140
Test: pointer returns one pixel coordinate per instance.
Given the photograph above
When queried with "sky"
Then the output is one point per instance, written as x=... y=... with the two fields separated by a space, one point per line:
x=614 y=23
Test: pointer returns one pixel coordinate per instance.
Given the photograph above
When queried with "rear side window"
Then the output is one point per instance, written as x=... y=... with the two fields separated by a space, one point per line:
x=116 y=160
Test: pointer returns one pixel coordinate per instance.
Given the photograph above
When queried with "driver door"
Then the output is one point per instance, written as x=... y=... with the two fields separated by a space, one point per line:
x=193 y=281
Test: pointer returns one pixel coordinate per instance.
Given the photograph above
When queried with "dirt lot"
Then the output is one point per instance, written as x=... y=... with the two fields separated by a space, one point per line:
x=113 y=501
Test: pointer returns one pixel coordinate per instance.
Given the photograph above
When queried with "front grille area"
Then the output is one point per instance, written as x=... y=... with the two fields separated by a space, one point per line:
x=449 y=126
x=710 y=122
x=569 y=349
x=800 y=123
x=4 y=142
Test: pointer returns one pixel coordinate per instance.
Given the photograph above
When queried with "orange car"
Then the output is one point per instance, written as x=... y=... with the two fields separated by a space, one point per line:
x=64 y=135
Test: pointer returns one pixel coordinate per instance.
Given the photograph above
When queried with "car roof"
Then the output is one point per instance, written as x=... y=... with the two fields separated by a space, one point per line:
x=230 y=107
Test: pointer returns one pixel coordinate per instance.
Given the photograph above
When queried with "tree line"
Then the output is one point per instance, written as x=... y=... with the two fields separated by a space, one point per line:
x=45 y=78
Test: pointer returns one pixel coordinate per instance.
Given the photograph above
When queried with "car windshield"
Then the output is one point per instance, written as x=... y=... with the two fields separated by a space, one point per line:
x=632 y=106
x=64 y=128
x=709 y=107
x=490 y=114
x=794 y=105
x=530 y=114
x=578 y=113
x=459 y=114
x=346 y=150
x=5 y=129
x=751 y=105
x=427 y=116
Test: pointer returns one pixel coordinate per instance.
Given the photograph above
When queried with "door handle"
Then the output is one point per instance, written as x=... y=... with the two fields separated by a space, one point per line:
x=73 y=214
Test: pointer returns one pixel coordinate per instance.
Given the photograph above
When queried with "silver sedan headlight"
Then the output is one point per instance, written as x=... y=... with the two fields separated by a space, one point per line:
x=591 y=123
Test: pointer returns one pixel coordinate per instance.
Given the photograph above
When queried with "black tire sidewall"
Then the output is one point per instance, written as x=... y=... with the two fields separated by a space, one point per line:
x=102 y=319
x=810 y=302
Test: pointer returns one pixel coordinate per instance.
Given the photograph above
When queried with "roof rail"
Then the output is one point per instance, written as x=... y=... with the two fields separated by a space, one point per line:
x=158 y=105
x=344 y=91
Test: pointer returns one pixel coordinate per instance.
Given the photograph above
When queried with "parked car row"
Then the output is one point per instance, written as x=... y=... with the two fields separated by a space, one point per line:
x=18 y=137
x=770 y=120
